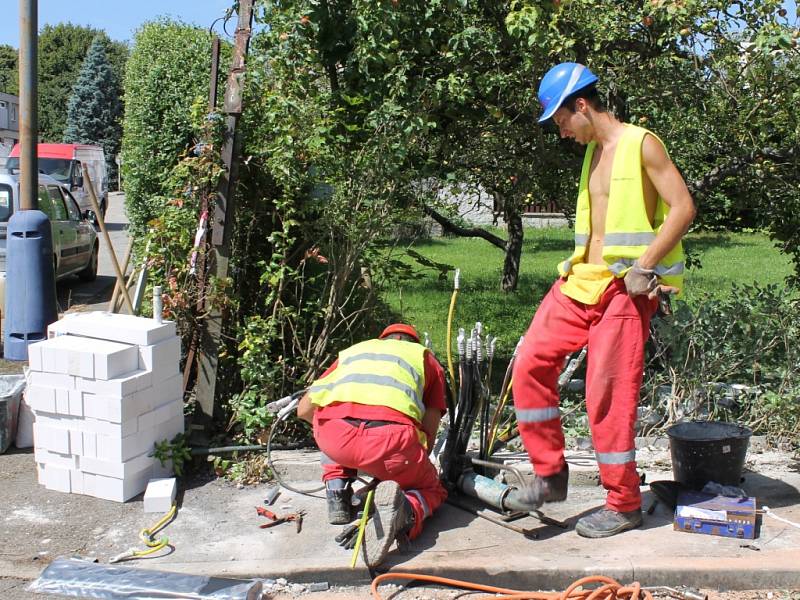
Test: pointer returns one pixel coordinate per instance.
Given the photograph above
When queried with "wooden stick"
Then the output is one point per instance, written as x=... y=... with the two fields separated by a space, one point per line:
x=113 y=304
x=102 y=223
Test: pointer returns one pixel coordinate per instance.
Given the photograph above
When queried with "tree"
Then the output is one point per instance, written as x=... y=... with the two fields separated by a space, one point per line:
x=9 y=70
x=62 y=50
x=95 y=108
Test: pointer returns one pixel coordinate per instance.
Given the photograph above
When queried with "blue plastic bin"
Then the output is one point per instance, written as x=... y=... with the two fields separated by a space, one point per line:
x=30 y=283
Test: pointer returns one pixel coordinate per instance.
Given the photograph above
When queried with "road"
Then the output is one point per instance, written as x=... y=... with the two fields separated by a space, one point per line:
x=72 y=292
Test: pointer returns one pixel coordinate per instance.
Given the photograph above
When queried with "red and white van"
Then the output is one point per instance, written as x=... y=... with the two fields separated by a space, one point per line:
x=66 y=163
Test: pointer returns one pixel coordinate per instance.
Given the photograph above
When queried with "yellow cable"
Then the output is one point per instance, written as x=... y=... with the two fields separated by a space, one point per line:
x=147 y=537
x=361 y=526
x=496 y=418
x=450 y=313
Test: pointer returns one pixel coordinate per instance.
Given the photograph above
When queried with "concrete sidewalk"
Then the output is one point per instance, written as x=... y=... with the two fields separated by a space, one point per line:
x=216 y=533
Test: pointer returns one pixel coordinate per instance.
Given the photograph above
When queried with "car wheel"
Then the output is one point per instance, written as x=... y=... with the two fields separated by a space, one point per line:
x=90 y=272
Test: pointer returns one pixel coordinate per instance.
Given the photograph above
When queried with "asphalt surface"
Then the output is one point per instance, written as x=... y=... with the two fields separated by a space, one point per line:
x=217 y=533
x=74 y=294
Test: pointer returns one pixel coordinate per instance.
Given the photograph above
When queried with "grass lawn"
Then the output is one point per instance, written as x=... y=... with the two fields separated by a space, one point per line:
x=725 y=258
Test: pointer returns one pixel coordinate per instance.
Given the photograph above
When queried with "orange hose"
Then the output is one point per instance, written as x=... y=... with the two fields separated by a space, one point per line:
x=609 y=589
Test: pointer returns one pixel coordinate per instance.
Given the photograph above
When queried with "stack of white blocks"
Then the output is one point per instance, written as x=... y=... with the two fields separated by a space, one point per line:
x=104 y=388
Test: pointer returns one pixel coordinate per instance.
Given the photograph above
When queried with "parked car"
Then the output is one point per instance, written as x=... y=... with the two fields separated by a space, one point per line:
x=75 y=244
x=67 y=163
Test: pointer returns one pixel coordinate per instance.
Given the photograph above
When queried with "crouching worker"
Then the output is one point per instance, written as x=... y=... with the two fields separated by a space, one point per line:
x=376 y=410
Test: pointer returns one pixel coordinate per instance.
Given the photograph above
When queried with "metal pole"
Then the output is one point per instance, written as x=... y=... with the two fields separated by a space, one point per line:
x=28 y=122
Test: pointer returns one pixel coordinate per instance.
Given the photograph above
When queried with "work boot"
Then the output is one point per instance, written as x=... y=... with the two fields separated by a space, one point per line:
x=339 y=494
x=605 y=523
x=543 y=489
x=393 y=518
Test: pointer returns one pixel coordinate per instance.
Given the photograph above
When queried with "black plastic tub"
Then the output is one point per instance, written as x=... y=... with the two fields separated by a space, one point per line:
x=704 y=451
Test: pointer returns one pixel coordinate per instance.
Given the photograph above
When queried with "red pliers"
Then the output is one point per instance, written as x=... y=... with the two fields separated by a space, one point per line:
x=274 y=519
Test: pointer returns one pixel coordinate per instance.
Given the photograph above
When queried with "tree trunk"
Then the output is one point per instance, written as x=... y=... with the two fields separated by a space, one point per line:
x=513 y=250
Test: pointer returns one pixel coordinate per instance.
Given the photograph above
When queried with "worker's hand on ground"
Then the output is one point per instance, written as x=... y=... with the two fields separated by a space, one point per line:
x=639 y=280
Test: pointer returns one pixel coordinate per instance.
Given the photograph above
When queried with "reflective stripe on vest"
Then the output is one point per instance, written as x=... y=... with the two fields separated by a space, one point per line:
x=628 y=231
x=616 y=458
x=537 y=415
x=387 y=373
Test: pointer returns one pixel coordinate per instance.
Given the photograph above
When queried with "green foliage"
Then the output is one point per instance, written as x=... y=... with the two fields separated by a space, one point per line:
x=747 y=338
x=94 y=109
x=9 y=70
x=168 y=71
x=62 y=50
x=176 y=451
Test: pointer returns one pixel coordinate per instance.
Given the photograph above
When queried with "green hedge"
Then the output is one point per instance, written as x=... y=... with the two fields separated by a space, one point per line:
x=168 y=71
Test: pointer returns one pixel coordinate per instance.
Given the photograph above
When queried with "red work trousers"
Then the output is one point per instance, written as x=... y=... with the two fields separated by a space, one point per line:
x=615 y=330
x=388 y=452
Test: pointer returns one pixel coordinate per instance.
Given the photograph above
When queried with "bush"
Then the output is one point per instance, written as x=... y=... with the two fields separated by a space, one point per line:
x=732 y=358
x=167 y=72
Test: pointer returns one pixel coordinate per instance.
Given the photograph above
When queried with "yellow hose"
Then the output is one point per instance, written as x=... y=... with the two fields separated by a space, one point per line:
x=496 y=418
x=148 y=539
x=361 y=526
x=450 y=313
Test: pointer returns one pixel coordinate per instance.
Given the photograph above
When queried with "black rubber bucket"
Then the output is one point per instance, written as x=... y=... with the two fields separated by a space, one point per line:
x=704 y=451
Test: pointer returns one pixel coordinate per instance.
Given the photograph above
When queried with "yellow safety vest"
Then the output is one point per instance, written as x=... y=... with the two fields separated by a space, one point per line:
x=628 y=229
x=387 y=373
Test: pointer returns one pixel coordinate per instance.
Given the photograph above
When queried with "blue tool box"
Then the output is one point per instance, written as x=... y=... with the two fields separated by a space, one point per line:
x=698 y=512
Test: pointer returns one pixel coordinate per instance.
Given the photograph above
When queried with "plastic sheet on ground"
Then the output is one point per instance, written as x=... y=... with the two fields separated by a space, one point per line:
x=83 y=579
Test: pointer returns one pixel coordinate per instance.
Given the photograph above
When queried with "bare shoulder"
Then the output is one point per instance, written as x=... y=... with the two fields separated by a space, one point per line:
x=654 y=155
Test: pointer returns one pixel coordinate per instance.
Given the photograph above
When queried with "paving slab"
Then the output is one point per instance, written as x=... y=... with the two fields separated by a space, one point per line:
x=216 y=533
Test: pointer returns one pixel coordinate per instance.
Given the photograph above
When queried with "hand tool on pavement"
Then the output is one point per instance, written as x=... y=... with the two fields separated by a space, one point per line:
x=274 y=519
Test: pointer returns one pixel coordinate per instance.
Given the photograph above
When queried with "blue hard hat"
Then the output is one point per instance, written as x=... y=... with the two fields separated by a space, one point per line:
x=559 y=82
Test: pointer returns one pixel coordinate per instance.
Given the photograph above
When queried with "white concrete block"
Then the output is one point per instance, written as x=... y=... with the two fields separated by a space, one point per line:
x=115 y=409
x=118 y=470
x=75 y=403
x=118 y=490
x=57 y=478
x=125 y=385
x=169 y=429
x=107 y=428
x=88 y=358
x=40 y=476
x=62 y=401
x=53 y=439
x=53 y=459
x=35 y=356
x=160 y=495
x=76 y=442
x=163 y=392
x=89 y=444
x=53 y=380
x=146 y=421
x=114 y=448
x=76 y=482
x=163 y=359
x=41 y=399
x=126 y=329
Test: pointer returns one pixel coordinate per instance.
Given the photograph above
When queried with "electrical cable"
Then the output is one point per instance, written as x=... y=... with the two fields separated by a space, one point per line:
x=450 y=369
x=147 y=536
x=607 y=588
x=280 y=419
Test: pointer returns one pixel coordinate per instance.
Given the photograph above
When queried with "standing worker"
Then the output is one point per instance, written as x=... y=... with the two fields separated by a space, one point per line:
x=377 y=410
x=633 y=209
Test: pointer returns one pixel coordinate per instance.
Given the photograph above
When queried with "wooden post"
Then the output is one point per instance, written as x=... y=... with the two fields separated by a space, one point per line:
x=223 y=218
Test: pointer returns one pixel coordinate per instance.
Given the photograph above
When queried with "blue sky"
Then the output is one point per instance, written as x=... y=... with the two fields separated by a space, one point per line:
x=119 y=18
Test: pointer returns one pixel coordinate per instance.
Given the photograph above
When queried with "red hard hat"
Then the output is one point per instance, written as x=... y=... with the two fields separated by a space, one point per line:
x=400 y=328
